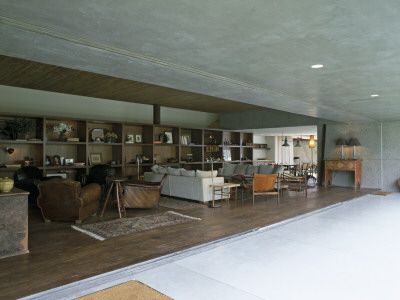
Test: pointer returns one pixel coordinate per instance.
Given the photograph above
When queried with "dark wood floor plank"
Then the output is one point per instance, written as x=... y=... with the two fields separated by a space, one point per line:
x=60 y=255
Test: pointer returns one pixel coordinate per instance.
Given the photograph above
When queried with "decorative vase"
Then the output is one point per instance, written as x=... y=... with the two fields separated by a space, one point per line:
x=111 y=140
x=6 y=185
x=62 y=137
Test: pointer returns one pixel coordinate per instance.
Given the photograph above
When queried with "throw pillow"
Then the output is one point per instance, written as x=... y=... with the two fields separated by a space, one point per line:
x=162 y=170
x=206 y=174
x=278 y=169
x=240 y=170
x=228 y=169
x=251 y=170
x=155 y=169
x=188 y=173
x=265 y=170
x=174 y=171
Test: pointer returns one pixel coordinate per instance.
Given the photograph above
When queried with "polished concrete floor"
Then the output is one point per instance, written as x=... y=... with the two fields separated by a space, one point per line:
x=349 y=250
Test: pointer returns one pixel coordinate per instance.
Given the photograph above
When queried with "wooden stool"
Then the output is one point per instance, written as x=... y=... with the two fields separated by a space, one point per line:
x=116 y=183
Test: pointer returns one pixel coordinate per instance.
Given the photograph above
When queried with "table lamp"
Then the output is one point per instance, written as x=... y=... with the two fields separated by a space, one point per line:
x=341 y=142
x=354 y=142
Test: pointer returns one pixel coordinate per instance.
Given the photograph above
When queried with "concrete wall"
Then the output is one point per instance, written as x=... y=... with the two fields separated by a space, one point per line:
x=379 y=148
x=379 y=152
x=27 y=101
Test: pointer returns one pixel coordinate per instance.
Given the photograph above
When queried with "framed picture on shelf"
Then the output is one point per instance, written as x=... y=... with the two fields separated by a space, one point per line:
x=56 y=160
x=95 y=158
x=130 y=138
x=168 y=137
x=138 y=138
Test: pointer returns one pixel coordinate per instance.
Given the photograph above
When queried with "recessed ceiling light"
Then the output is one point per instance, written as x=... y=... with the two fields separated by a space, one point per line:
x=317 y=66
x=374 y=95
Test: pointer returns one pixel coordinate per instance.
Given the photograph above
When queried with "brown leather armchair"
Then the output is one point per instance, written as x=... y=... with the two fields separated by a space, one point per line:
x=65 y=199
x=142 y=194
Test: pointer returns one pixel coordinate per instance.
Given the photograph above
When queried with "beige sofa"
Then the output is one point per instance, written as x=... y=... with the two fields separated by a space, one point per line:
x=188 y=184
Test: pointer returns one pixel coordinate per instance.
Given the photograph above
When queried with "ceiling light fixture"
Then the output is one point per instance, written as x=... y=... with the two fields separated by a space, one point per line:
x=374 y=95
x=317 y=66
x=285 y=144
x=298 y=144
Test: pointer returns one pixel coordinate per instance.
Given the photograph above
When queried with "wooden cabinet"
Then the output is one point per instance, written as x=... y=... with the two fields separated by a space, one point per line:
x=13 y=223
x=343 y=165
x=149 y=144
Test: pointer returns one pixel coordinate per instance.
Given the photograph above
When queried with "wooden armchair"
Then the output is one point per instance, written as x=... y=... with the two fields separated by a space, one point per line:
x=265 y=185
x=297 y=183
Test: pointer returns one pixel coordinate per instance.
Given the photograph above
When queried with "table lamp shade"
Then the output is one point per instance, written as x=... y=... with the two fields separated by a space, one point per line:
x=341 y=142
x=354 y=142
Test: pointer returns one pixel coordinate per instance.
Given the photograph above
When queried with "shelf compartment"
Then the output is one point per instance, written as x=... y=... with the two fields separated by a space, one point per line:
x=107 y=127
x=108 y=153
x=160 y=130
x=231 y=138
x=138 y=134
x=21 y=152
x=78 y=129
x=189 y=135
x=77 y=152
x=132 y=151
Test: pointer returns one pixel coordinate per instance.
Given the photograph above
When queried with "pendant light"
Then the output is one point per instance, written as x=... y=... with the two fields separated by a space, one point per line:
x=285 y=144
x=298 y=144
x=311 y=144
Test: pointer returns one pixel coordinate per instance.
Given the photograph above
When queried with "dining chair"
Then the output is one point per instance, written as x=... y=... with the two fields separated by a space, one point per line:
x=297 y=183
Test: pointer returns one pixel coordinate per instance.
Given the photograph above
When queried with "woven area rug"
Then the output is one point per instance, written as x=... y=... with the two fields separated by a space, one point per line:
x=179 y=204
x=131 y=290
x=113 y=228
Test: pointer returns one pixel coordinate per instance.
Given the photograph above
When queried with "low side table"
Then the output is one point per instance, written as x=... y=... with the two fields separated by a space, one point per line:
x=223 y=190
x=116 y=184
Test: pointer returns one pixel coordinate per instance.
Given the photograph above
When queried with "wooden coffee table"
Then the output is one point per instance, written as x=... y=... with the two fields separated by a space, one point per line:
x=223 y=190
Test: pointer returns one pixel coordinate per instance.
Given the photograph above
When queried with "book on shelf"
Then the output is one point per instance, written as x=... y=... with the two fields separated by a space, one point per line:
x=72 y=139
x=35 y=140
x=185 y=139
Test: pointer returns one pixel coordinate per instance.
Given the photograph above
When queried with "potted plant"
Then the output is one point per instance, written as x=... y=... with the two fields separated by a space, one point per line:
x=110 y=137
x=19 y=127
x=62 y=129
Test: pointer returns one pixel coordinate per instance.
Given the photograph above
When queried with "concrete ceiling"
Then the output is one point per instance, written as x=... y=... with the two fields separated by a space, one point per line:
x=255 y=52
